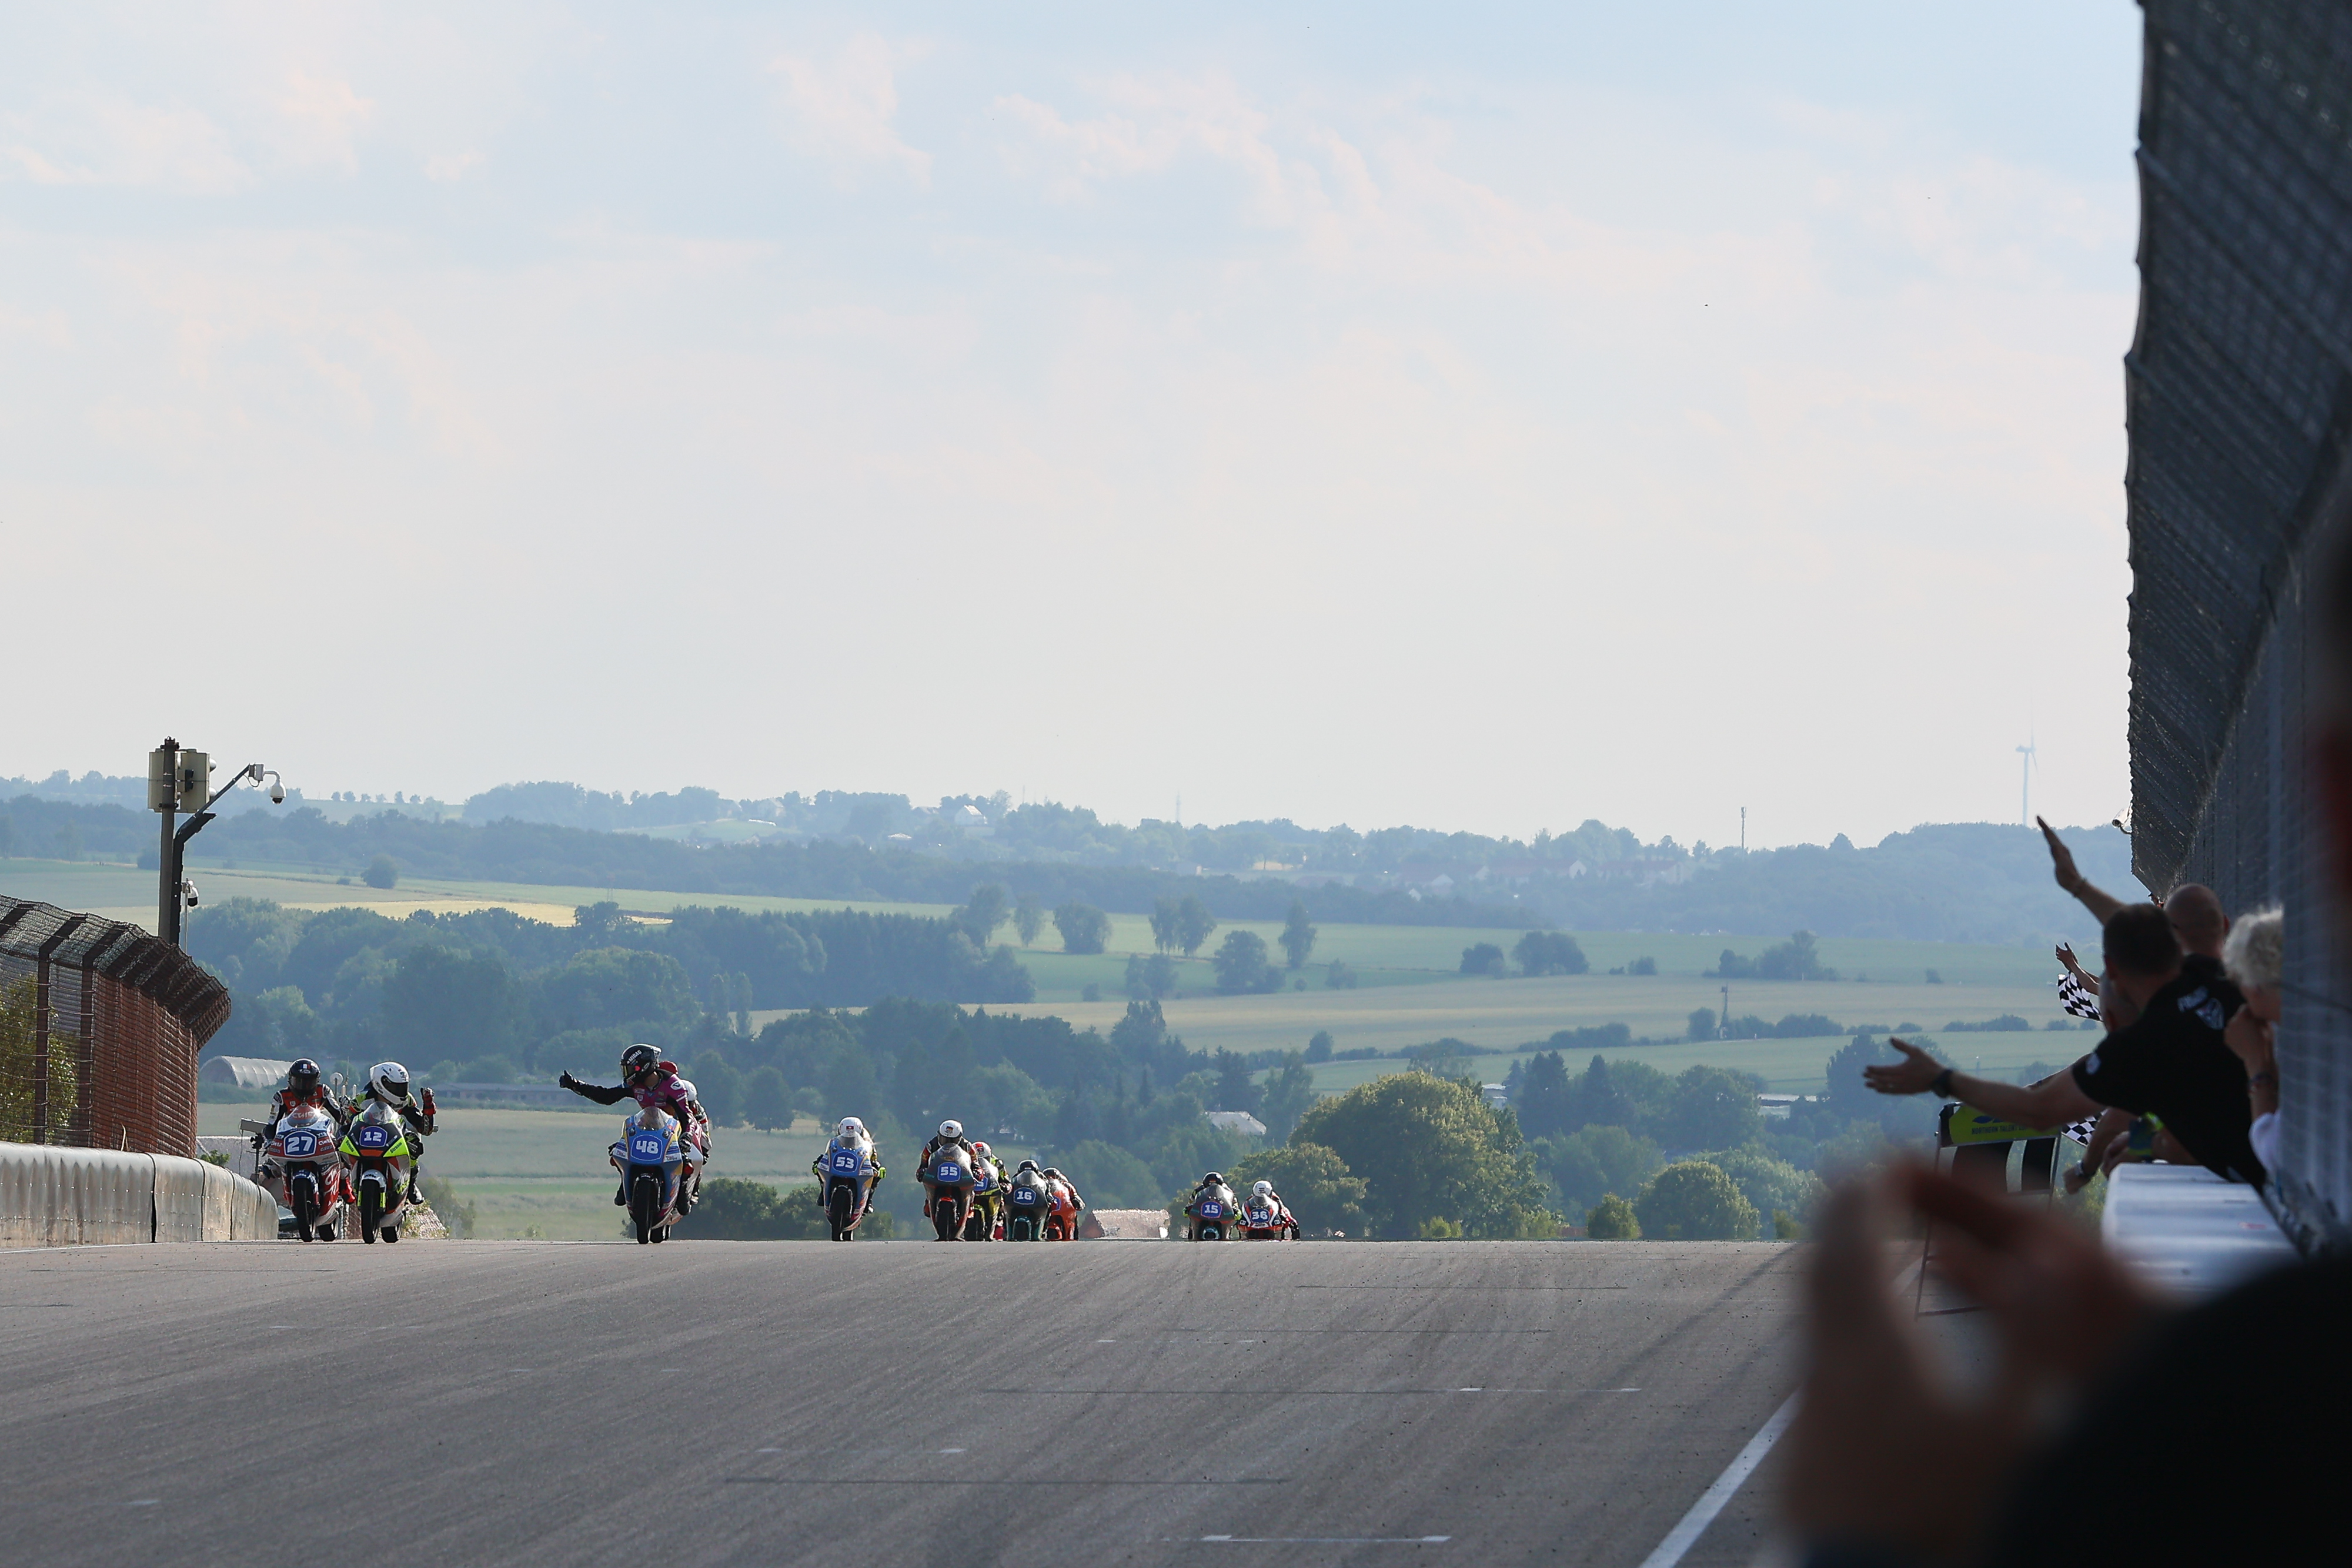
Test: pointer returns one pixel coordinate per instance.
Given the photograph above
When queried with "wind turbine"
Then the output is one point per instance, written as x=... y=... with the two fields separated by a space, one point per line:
x=2025 y=784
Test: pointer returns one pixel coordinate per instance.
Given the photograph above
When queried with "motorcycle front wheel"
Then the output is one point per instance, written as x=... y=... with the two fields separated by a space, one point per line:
x=370 y=1212
x=838 y=1210
x=645 y=1201
x=305 y=1205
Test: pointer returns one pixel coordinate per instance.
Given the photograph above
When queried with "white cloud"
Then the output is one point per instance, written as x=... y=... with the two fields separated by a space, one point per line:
x=105 y=139
x=842 y=110
x=321 y=116
x=452 y=166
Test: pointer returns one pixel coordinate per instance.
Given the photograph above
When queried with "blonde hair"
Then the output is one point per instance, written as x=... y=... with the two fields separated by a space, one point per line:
x=2255 y=953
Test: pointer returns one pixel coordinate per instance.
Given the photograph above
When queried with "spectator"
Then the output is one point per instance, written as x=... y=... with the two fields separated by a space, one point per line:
x=2194 y=910
x=2170 y=1061
x=2255 y=957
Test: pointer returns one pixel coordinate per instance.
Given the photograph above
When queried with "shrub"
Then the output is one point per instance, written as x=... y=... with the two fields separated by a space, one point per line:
x=1693 y=1200
x=1612 y=1219
x=1643 y=966
x=1544 y=953
x=1340 y=975
x=1702 y=1024
x=381 y=873
x=1084 y=927
x=1318 y=1049
x=1486 y=959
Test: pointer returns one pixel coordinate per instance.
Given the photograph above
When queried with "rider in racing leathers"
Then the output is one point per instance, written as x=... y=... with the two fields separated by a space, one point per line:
x=1214 y=1186
x=655 y=1084
x=988 y=1193
x=851 y=1135
x=950 y=1137
x=388 y=1084
x=1067 y=1204
x=303 y=1086
x=1263 y=1193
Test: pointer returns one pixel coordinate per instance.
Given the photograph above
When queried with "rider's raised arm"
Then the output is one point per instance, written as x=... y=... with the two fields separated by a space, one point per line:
x=596 y=1092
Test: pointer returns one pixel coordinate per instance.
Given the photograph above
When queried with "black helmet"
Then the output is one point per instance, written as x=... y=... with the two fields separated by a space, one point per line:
x=638 y=1062
x=1212 y=1180
x=302 y=1077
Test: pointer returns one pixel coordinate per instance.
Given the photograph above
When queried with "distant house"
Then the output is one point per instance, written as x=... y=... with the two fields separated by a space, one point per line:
x=973 y=821
x=1235 y=1121
x=1646 y=873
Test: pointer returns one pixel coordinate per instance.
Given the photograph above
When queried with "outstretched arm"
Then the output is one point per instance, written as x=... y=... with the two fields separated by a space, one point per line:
x=596 y=1092
x=2057 y=1098
x=2062 y=865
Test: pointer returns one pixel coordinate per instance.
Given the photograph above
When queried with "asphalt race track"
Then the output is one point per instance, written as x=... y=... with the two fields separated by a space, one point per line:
x=885 y=1404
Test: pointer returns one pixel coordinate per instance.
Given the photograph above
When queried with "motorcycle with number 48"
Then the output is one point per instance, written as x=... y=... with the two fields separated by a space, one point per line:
x=381 y=1151
x=651 y=1158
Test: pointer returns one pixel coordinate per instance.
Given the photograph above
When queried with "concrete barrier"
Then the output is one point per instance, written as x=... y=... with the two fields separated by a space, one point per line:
x=51 y=1197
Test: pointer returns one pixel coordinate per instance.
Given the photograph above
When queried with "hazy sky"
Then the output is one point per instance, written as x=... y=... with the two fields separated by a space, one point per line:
x=1474 y=416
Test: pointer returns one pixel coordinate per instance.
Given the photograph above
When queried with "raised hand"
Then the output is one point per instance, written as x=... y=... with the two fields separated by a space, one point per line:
x=2062 y=859
x=1914 y=1074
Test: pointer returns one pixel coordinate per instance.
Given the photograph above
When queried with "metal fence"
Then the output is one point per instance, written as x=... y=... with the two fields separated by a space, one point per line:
x=2240 y=400
x=99 y=1026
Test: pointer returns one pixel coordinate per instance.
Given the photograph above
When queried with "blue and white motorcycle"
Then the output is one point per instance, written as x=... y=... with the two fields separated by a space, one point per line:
x=847 y=1169
x=651 y=1158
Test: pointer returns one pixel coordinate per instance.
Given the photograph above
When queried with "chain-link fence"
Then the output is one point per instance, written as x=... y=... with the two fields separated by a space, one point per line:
x=99 y=1026
x=2240 y=399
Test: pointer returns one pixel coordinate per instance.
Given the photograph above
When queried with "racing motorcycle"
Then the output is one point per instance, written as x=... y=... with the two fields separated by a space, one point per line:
x=381 y=1152
x=1027 y=1207
x=951 y=1182
x=651 y=1158
x=1212 y=1218
x=304 y=1156
x=846 y=1174
x=1265 y=1222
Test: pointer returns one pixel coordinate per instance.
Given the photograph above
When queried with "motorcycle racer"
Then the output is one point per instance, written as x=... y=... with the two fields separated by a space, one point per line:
x=304 y=1086
x=851 y=1134
x=655 y=1083
x=989 y=1192
x=950 y=1137
x=387 y=1084
x=1210 y=1185
x=1262 y=1196
x=1067 y=1204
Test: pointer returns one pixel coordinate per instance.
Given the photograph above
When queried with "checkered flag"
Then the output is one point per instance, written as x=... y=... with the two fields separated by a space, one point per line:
x=2077 y=998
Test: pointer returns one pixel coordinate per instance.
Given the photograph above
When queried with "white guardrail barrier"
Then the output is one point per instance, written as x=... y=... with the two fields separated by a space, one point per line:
x=64 y=1197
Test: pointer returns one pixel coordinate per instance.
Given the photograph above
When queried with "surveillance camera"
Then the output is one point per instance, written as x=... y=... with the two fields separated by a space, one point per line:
x=277 y=794
x=188 y=891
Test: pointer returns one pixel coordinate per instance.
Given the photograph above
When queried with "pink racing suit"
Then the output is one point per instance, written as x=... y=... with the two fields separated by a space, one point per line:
x=667 y=1091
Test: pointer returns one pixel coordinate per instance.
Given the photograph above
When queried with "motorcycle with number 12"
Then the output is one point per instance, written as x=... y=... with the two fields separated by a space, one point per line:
x=381 y=1152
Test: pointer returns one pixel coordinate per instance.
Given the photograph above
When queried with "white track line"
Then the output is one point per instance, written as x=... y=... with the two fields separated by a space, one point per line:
x=1683 y=1535
x=1693 y=1524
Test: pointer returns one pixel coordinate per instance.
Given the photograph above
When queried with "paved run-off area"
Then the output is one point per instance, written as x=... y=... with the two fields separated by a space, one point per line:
x=713 y=1402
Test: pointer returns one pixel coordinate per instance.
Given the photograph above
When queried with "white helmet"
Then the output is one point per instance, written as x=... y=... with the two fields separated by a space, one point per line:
x=389 y=1081
x=1263 y=1189
x=851 y=1130
x=952 y=1129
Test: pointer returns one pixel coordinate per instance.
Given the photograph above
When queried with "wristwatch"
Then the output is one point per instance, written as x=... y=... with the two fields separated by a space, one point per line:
x=1941 y=1084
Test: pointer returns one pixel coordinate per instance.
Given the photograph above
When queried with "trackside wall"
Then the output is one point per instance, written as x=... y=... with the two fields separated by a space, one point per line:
x=52 y=1197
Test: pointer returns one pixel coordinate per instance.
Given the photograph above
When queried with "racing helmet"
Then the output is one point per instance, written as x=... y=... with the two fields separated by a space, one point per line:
x=851 y=1130
x=1050 y=1170
x=1262 y=1189
x=1212 y=1180
x=980 y=1148
x=952 y=1129
x=638 y=1062
x=302 y=1078
x=388 y=1080
x=1027 y=1165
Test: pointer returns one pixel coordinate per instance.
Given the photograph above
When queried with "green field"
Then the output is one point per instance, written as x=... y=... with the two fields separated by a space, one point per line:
x=1787 y=1066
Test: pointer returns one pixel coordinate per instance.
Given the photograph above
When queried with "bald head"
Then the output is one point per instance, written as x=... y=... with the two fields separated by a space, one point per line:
x=2197 y=918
